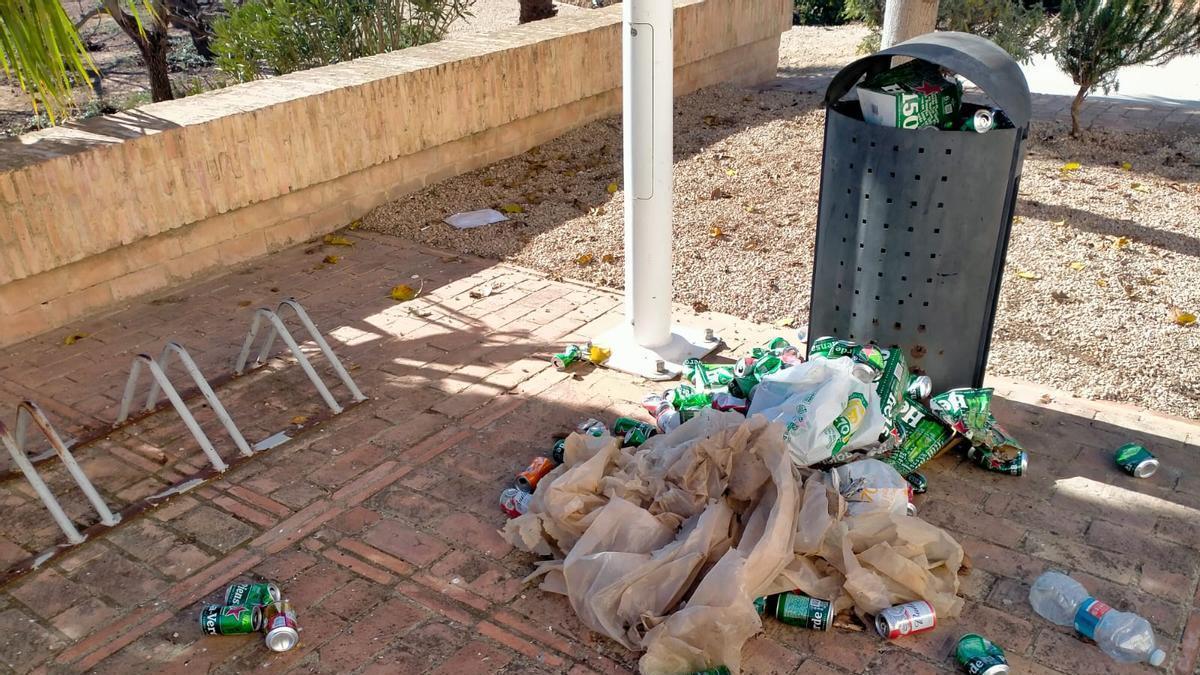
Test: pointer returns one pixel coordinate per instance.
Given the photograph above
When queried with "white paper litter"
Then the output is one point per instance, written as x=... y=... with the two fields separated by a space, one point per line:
x=473 y=219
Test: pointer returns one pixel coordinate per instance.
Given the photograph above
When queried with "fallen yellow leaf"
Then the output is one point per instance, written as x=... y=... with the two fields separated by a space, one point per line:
x=337 y=240
x=1182 y=318
x=1138 y=187
x=1017 y=220
x=1102 y=283
x=730 y=172
x=1126 y=166
x=354 y=224
x=786 y=322
x=403 y=293
x=73 y=338
x=1032 y=276
x=607 y=258
x=715 y=231
x=512 y=208
x=585 y=259
x=598 y=354
x=331 y=259
x=1078 y=265
x=1119 y=243
x=299 y=419
x=1071 y=166
x=1059 y=223
x=613 y=187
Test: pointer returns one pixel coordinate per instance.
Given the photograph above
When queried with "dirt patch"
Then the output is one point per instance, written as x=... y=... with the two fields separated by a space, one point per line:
x=1081 y=309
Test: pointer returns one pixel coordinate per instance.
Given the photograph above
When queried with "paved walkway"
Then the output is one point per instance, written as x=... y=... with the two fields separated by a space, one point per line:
x=381 y=524
x=1117 y=114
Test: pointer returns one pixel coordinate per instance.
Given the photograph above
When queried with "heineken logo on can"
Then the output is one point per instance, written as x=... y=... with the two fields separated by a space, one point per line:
x=979 y=656
x=230 y=619
x=1136 y=460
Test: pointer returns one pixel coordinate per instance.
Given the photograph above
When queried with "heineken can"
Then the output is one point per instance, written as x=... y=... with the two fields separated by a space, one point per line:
x=559 y=451
x=778 y=343
x=1136 y=460
x=743 y=366
x=919 y=388
x=252 y=594
x=716 y=670
x=655 y=404
x=571 y=355
x=760 y=604
x=230 y=619
x=591 y=427
x=528 y=479
x=993 y=462
x=906 y=619
x=280 y=625
x=514 y=502
x=979 y=656
x=624 y=425
x=797 y=609
x=981 y=122
x=917 y=482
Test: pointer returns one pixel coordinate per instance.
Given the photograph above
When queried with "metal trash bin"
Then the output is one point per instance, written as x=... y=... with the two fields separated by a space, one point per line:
x=913 y=225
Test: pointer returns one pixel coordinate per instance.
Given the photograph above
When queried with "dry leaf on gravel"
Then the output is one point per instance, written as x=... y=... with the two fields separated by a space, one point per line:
x=786 y=322
x=1070 y=166
x=1059 y=223
x=1102 y=283
x=354 y=224
x=244 y=303
x=716 y=232
x=1032 y=276
x=331 y=259
x=299 y=419
x=1078 y=265
x=730 y=172
x=718 y=193
x=699 y=306
x=608 y=258
x=612 y=188
x=73 y=338
x=512 y=208
x=1182 y=318
x=337 y=240
x=1126 y=166
x=585 y=259
x=1138 y=187
x=402 y=293
x=1118 y=243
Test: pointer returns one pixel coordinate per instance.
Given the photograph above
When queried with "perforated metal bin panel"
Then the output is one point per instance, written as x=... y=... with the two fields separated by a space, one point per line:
x=911 y=237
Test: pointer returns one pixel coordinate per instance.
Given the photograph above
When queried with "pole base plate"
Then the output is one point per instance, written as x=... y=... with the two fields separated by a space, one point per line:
x=658 y=363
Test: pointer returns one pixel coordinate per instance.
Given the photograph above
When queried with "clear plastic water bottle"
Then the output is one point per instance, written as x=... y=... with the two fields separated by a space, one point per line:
x=1124 y=636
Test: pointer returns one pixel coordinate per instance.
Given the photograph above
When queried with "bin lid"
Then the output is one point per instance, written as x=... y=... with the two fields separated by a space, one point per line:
x=975 y=58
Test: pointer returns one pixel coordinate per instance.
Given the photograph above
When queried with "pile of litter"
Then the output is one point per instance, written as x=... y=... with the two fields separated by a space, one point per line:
x=772 y=479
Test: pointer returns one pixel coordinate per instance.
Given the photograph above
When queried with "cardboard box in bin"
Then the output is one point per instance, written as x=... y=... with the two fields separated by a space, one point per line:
x=915 y=95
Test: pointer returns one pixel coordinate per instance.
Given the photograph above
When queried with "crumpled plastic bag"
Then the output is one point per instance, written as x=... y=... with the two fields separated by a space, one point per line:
x=870 y=485
x=664 y=547
x=826 y=408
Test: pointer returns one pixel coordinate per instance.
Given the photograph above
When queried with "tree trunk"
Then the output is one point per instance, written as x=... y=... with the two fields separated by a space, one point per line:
x=1076 y=105
x=151 y=41
x=905 y=19
x=536 y=10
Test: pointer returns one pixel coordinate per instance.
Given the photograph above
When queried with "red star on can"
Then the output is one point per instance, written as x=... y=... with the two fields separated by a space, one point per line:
x=927 y=88
x=236 y=611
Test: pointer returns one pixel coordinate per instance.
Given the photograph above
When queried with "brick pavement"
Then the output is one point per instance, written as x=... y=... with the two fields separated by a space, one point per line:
x=380 y=524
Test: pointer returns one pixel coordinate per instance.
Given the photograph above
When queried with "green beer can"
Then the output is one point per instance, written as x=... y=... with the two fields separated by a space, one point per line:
x=230 y=619
x=1136 y=460
x=979 y=656
x=252 y=594
x=797 y=609
x=717 y=670
x=571 y=355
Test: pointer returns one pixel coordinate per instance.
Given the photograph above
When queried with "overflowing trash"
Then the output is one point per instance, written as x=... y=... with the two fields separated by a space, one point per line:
x=922 y=95
x=251 y=608
x=1124 y=636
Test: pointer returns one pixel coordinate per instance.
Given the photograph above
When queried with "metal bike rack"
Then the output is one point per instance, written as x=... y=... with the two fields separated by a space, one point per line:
x=161 y=385
x=27 y=411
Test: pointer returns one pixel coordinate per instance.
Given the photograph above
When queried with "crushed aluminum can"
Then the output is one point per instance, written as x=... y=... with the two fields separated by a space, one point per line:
x=978 y=655
x=993 y=462
x=572 y=354
x=592 y=427
x=280 y=625
x=1136 y=460
x=918 y=482
x=906 y=619
x=514 y=502
x=558 y=451
x=727 y=402
x=919 y=388
x=528 y=479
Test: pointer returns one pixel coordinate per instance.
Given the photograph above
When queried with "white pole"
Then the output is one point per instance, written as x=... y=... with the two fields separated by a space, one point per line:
x=648 y=71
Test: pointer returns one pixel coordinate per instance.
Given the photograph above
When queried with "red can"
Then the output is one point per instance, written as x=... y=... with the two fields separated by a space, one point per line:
x=528 y=479
x=906 y=619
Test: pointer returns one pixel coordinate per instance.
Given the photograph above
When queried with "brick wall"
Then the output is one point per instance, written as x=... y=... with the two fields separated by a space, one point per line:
x=115 y=207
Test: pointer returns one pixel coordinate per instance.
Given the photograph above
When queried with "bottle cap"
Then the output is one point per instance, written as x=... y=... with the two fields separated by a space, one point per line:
x=1157 y=657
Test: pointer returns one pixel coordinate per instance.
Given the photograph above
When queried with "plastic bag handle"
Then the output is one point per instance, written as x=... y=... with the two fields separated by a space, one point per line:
x=975 y=58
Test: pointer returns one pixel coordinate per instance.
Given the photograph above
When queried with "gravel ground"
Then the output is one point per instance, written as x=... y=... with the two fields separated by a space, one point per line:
x=1081 y=309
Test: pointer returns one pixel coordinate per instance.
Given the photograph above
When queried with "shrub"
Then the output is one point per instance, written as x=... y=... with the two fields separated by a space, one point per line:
x=819 y=12
x=262 y=37
x=1100 y=36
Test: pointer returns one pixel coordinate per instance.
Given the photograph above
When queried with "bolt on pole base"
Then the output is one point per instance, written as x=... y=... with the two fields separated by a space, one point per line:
x=657 y=363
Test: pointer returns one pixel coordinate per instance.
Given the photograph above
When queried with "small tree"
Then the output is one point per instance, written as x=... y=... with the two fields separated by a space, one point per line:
x=1100 y=36
x=150 y=37
x=1017 y=26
